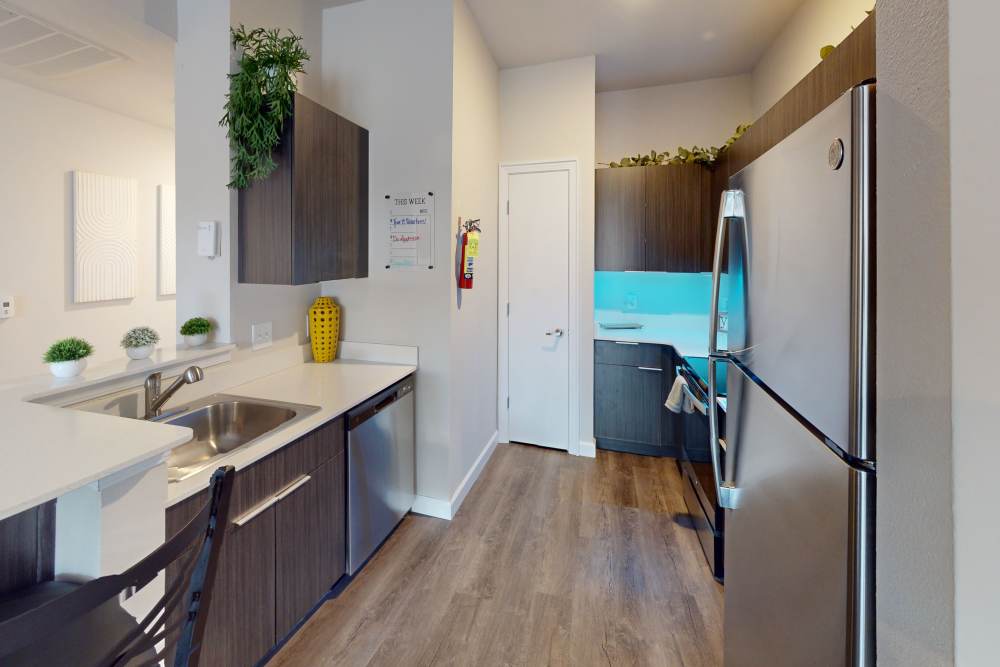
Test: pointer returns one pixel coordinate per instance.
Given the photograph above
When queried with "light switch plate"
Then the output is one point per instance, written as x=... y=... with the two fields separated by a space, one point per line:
x=6 y=307
x=260 y=335
x=208 y=239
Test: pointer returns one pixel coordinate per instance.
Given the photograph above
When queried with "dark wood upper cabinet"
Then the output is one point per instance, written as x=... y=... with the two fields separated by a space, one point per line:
x=308 y=221
x=619 y=234
x=677 y=228
x=653 y=219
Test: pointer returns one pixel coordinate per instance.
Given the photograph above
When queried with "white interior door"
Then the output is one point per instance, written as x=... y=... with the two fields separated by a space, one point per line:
x=538 y=276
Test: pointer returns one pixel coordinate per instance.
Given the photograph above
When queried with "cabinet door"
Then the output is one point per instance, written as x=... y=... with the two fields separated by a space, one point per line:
x=677 y=232
x=671 y=425
x=627 y=404
x=311 y=541
x=329 y=195
x=619 y=221
x=240 y=627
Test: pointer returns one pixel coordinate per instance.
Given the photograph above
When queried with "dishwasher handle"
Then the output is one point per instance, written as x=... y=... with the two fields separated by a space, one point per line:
x=355 y=419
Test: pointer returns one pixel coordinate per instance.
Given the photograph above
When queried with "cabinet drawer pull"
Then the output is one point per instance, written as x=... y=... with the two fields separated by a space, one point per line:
x=265 y=505
x=293 y=487
x=255 y=511
x=647 y=368
x=624 y=342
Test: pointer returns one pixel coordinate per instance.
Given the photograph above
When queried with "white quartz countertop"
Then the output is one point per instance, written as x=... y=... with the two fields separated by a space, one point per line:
x=334 y=388
x=687 y=334
x=49 y=451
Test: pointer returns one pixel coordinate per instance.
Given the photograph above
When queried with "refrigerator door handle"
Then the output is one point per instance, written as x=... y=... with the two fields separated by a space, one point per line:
x=728 y=493
x=730 y=206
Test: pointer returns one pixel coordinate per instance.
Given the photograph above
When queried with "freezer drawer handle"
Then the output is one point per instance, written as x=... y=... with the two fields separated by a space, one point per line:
x=729 y=493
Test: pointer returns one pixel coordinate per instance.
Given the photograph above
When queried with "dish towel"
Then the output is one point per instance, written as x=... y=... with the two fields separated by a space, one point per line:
x=678 y=400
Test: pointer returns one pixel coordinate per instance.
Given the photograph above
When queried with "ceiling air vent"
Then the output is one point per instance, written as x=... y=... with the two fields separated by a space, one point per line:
x=38 y=47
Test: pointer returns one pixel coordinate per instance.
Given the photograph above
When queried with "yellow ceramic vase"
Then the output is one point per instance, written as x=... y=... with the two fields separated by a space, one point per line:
x=324 y=329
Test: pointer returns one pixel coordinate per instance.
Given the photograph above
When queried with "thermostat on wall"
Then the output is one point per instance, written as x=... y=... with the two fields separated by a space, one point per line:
x=208 y=239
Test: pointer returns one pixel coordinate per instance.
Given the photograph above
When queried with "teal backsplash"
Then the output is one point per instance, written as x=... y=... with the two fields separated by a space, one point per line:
x=654 y=293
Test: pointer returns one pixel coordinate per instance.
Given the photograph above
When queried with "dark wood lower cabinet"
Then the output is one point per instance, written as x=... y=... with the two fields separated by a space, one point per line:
x=310 y=543
x=624 y=408
x=27 y=545
x=275 y=564
x=240 y=627
x=629 y=415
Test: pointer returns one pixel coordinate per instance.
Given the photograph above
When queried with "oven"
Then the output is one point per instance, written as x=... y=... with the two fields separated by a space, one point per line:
x=700 y=494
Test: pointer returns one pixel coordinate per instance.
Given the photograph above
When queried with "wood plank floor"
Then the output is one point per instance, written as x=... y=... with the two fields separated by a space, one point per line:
x=552 y=560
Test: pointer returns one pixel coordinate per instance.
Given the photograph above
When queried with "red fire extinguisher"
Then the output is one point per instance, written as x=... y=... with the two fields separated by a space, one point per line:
x=470 y=250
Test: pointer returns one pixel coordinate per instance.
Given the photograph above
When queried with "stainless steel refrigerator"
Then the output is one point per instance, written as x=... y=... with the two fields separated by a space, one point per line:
x=796 y=238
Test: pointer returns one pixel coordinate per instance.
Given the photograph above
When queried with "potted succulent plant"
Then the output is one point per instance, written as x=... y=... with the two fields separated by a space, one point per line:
x=139 y=342
x=195 y=331
x=68 y=357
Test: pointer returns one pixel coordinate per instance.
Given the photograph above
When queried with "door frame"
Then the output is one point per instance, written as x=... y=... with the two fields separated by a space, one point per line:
x=573 y=335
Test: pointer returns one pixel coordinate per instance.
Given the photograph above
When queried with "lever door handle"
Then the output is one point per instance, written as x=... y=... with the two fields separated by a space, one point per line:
x=555 y=332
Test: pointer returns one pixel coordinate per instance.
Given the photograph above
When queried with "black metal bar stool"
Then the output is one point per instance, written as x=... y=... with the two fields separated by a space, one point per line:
x=61 y=623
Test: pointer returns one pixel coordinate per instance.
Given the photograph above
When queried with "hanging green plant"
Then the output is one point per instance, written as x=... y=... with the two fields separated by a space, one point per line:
x=693 y=155
x=261 y=95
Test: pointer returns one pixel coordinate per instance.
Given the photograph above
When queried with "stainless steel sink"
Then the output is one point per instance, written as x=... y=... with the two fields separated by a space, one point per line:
x=222 y=424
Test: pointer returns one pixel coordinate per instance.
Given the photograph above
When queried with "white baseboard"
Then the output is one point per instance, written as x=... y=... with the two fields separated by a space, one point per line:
x=588 y=448
x=470 y=477
x=435 y=507
x=446 y=509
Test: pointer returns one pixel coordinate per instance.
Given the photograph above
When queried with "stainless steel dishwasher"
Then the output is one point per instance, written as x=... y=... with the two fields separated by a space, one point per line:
x=381 y=477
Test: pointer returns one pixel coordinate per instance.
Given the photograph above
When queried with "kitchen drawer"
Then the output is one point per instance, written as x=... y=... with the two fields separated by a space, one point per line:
x=628 y=354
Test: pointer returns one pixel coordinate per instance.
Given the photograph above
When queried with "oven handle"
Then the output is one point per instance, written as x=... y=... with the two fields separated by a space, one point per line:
x=697 y=402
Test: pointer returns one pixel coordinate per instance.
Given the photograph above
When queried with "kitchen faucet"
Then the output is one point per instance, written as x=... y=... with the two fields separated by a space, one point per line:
x=155 y=398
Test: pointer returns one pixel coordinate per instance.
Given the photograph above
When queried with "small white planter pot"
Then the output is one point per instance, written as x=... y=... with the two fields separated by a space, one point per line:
x=140 y=352
x=67 y=369
x=195 y=340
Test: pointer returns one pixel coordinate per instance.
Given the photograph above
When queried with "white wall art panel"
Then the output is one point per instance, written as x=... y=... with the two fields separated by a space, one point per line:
x=167 y=248
x=104 y=237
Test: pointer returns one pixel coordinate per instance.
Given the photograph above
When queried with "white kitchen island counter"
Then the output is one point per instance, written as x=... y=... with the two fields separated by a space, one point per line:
x=49 y=451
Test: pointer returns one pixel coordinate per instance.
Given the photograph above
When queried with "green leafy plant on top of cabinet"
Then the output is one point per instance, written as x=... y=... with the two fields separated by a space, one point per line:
x=693 y=155
x=260 y=99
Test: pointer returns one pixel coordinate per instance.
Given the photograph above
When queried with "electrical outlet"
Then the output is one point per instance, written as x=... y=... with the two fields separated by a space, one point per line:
x=6 y=307
x=631 y=301
x=260 y=335
x=723 y=322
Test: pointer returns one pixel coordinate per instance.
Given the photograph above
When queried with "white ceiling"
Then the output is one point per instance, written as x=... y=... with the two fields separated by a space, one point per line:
x=638 y=43
x=139 y=82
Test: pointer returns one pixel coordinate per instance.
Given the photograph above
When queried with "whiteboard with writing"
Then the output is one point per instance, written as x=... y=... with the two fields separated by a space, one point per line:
x=411 y=231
